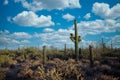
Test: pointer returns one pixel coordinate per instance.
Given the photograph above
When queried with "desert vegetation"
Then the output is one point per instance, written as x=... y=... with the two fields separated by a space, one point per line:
x=29 y=64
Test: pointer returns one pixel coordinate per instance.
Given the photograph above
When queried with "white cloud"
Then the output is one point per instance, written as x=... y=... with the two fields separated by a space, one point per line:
x=87 y=16
x=68 y=17
x=86 y=44
x=14 y=42
x=29 y=18
x=4 y=32
x=6 y=2
x=98 y=26
x=115 y=41
x=57 y=38
x=25 y=42
x=21 y=35
x=48 y=30
x=13 y=39
x=36 y=5
x=103 y=10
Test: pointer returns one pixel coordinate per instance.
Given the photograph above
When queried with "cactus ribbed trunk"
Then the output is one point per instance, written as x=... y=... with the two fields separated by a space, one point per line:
x=76 y=41
x=91 y=57
x=65 y=50
x=80 y=52
x=44 y=54
x=103 y=45
x=111 y=45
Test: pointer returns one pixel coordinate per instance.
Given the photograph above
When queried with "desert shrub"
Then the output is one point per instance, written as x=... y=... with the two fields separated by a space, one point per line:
x=52 y=74
x=6 y=60
x=108 y=55
x=25 y=72
x=3 y=72
x=107 y=77
x=2 y=75
x=4 y=52
x=85 y=53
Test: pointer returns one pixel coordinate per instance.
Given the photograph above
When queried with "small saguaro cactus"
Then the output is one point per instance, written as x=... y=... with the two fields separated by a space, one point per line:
x=91 y=57
x=44 y=54
x=80 y=52
x=103 y=45
x=76 y=39
x=111 y=44
x=65 y=49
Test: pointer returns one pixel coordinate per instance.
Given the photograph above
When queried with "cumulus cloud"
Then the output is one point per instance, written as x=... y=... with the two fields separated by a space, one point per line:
x=29 y=18
x=103 y=10
x=25 y=42
x=87 y=16
x=86 y=43
x=57 y=38
x=12 y=39
x=115 y=41
x=68 y=17
x=21 y=35
x=98 y=26
x=48 y=30
x=36 y=5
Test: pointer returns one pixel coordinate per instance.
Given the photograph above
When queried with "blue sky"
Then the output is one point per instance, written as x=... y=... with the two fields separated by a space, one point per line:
x=50 y=22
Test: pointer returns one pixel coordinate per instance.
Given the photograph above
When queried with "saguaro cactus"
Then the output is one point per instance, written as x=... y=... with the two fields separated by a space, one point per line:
x=44 y=54
x=80 y=52
x=65 y=49
x=111 y=45
x=76 y=40
x=103 y=45
x=91 y=57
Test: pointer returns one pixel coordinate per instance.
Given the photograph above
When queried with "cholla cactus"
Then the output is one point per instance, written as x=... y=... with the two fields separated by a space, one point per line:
x=44 y=54
x=76 y=39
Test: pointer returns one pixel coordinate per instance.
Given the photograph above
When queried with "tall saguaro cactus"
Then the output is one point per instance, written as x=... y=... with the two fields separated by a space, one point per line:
x=44 y=54
x=76 y=39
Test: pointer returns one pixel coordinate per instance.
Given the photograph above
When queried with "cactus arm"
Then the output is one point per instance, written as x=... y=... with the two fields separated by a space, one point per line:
x=72 y=39
x=79 y=39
